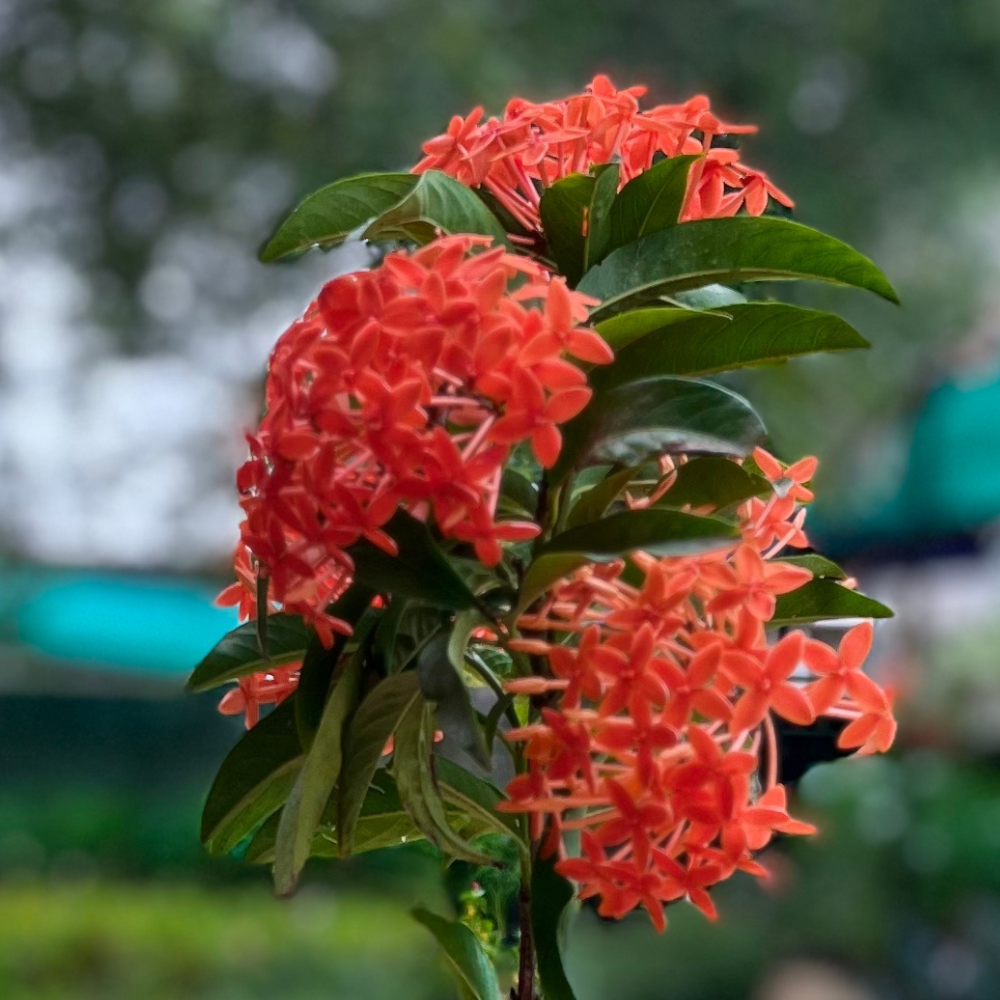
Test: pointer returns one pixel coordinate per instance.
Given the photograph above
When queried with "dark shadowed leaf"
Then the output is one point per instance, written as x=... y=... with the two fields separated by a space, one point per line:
x=821 y=600
x=237 y=654
x=318 y=777
x=595 y=501
x=759 y=332
x=476 y=798
x=631 y=422
x=436 y=203
x=563 y=207
x=465 y=955
x=658 y=531
x=319 y=663
x=551 y=894
x=330 y=214
x=419 y=570
x=253 y=781
x=713 y=481
x=418 y=790
x=369 y=730
x=649 y=202
x=739 y=249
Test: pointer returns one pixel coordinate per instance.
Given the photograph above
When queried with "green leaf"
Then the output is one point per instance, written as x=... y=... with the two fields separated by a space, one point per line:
x=654 y=530
x=329 y=215
x=595 y=246
x=711 y=297
x=759 y=332
x=436 y=203
x=820 y=567
x=418 y=791
x=318 y=777
x=238 y=652
x=253 y=781
x=562 y=207
x=518 y=495
x=821 y=600
x=319 y=663
x=713 y=481
x=376 y=719
x=650 y=202
x=476 y=798
x=592 y=504
x=743 y=248
x=441 y=683
x=629 y=423
x=465 y=955
x=551 y=894
x=420 y=569
x=621 y=330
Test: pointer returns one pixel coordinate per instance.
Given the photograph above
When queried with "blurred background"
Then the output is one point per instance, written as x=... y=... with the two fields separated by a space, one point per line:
x=145 y=152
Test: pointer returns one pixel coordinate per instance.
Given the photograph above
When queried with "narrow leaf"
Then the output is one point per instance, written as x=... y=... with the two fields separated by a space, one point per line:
x=369 y=730
x=237 y=654
x=820 y=567
x=476 y=798
x=822 y=600
x=595 y=501
x=621 y=330
x=330 y=214
x=743 y=248
x=465 y=955
x=420 y=569
x=595 y=245
x=418 y=791
x=316 y=780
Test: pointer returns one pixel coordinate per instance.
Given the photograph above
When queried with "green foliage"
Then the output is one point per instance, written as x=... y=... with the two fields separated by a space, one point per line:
x=715 y=482
x=823 y=599
x=551 y=895
x=722 y=250
x=465 y=955
x=650 y=202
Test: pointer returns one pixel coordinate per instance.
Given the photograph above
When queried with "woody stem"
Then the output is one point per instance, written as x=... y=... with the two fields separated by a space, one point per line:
x=526 y=965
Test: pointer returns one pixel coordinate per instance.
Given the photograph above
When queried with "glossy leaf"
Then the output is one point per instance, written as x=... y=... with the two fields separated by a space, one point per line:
x=329 y=215
x=715 y=482
x=820 y=567
x=711 y=297
x=758 y=332
x=649 y=202
x=441 y=683
x=563 y=208
x=418 y=790
x=518 y=495
x=822 y=600
x=598 y=223
x=654 y=530
x=254 y=780
x=420 y=569
x=465 y=955
x=631 y=422
x=318 y=777
x=436 y=203
x=551 y=894
x=369 y=730
x=238 y=654
x=595 y=501
x=743 y=248
x=621 y=330
x=319 y=663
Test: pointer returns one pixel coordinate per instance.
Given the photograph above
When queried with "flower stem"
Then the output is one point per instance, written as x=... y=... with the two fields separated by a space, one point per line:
x=526 y=965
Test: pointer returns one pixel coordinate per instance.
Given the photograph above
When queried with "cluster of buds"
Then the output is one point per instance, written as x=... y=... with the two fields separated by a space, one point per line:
x=660 y=698
x=516 y=156
x=406 y=387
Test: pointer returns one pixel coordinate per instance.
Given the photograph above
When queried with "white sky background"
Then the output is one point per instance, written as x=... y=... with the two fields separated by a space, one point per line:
x=128 y=459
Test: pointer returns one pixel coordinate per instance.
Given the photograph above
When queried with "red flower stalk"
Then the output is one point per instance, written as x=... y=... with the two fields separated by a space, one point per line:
x=516 y=156
x=662 y=697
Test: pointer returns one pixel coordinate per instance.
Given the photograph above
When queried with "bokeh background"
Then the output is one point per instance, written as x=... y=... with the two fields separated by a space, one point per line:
x=145 y=151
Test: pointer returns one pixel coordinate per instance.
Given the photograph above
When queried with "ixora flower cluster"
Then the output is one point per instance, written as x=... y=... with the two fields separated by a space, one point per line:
x=531 y=146
x=505 y=439
x=658 y=747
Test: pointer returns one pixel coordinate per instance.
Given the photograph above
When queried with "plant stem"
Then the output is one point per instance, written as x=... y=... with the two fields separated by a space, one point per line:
x=526 y=966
